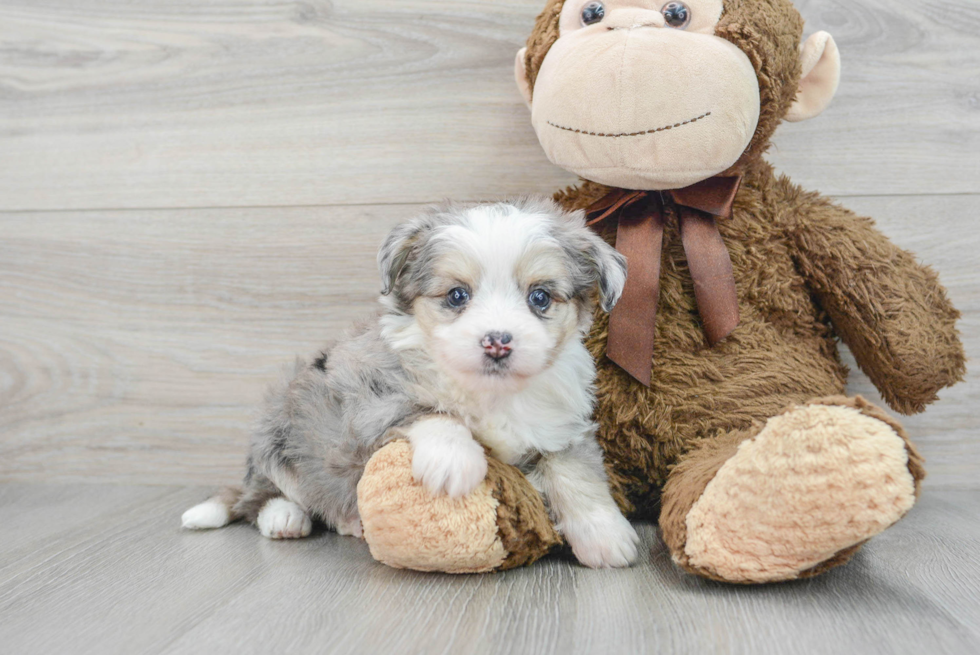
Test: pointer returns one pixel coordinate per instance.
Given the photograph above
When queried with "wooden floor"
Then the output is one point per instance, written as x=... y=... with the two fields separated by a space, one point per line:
x=192 y=192
x=106 y=569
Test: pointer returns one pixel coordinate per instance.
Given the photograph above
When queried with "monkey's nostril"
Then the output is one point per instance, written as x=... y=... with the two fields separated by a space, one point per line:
x=505 y=337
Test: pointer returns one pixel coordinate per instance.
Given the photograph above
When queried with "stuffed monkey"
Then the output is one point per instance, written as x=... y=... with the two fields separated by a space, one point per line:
x=721 y=391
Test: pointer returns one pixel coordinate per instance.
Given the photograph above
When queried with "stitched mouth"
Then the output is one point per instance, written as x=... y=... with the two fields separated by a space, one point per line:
x=621 y=134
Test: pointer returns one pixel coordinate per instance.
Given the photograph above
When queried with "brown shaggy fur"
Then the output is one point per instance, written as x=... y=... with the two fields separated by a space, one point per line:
x=808 y=273
x=522 y=521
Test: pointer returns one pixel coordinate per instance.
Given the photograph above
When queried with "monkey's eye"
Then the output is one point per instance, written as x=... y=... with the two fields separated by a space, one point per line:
x=593 y=13
x=457 y=297
x=676 y=15
x=539 y=299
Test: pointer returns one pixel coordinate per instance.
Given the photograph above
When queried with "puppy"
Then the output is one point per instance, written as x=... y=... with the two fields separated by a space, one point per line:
x=479 y=344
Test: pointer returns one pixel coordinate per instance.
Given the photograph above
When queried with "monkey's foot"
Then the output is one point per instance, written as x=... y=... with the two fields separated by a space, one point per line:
x=802 y=495
x=499 y=525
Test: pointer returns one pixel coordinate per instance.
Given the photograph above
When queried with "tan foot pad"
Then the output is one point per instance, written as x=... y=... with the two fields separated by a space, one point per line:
x=815 y=481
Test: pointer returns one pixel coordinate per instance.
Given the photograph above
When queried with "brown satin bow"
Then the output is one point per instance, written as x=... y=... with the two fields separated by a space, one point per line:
x=639 y=236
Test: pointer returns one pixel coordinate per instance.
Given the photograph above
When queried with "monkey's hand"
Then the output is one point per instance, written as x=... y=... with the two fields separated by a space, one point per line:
x=889 y=309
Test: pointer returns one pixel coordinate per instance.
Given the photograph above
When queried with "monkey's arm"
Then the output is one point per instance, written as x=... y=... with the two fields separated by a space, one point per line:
x=888 y=308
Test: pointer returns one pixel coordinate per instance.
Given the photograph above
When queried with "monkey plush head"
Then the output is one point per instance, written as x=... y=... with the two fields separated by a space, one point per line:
x=661 y=94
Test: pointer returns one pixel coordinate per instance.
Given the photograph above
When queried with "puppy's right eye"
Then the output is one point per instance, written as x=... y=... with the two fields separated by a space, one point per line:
x=457 y=297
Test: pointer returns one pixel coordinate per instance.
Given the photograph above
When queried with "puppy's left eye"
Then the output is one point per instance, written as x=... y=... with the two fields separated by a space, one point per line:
x=539 y=299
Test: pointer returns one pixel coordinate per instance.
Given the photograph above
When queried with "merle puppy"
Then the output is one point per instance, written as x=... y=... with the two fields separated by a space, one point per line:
x=479 y=344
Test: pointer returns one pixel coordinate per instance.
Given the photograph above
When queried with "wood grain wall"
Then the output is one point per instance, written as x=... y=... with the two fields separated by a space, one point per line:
x=192 y=192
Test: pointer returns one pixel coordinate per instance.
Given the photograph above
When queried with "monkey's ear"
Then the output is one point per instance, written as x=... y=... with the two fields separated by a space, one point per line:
x=520 y=74
x=821 y=75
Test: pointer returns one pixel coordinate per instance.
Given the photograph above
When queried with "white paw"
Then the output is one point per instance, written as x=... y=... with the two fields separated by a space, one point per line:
x=283 y=519
x=602 y=539
x=446 y=458
x=209 y=514
x=350 y=528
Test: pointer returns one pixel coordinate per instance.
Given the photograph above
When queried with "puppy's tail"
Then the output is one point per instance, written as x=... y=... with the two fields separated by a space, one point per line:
x=216 y=512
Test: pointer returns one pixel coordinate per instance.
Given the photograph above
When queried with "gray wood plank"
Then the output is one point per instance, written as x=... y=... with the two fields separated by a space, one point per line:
x=137 y=344
x=111 y=104
x=905 y=118
x=49 y=514
x=140 y=342
x=129 y=580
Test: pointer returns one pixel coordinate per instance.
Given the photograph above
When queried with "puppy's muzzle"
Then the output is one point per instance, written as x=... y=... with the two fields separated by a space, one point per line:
x=495 y=344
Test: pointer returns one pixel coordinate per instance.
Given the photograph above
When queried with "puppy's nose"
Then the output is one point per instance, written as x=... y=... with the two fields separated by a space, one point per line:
x=495 y=344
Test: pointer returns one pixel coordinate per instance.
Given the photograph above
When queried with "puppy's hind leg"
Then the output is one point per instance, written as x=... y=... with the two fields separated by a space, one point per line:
x=264 y=504
x=216 y=512
x=350 y=527
x=281 y=518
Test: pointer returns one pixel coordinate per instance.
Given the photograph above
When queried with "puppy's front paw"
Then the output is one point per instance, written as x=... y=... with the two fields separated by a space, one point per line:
x=446 y=458
x=283 y=519
x=602 y=540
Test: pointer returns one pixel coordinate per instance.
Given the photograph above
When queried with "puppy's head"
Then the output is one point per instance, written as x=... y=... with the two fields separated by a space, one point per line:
x=498 y=290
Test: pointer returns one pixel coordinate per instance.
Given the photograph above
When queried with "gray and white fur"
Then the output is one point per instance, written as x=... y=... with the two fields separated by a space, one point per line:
x=479 y=344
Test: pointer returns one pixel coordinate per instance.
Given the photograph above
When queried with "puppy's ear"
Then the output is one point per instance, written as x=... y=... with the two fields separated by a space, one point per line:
x=394 y=253
x=610 y=268
x=599 y=262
